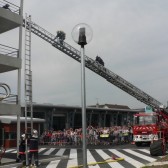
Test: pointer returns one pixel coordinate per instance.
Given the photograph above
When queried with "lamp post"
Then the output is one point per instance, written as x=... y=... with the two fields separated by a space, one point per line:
x=82 y=35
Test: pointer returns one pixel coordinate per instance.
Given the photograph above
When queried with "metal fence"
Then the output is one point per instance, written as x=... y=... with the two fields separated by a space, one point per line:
x=6 y=96
x=8 y=51
x=12 y=99
x=10 y=6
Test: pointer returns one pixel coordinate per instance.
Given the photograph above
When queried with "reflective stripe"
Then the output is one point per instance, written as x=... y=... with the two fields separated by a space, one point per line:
x=36 y=150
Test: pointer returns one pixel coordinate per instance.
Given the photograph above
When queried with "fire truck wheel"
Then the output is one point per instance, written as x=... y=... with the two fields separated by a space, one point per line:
x=138 y=143
x=156 y=148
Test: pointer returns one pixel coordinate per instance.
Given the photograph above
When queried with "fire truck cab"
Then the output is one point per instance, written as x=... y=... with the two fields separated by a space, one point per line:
x=145 y=127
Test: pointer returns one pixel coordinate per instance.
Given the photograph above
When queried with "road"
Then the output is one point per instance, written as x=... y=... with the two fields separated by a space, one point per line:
x=66 y=157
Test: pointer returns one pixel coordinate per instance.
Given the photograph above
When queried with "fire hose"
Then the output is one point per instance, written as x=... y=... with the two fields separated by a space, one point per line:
x=101 y=162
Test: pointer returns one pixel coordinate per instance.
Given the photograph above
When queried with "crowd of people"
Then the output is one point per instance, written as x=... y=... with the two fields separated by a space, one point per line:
x=95 y=136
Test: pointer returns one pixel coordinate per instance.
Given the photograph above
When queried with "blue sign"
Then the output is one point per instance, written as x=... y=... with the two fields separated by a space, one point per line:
x=148 y=109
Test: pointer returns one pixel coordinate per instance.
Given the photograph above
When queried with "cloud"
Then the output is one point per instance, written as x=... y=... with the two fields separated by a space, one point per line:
x=130 y=36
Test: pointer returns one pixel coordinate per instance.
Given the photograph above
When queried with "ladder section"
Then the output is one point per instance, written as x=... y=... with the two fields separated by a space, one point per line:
x=28 y=76
x=94 y=66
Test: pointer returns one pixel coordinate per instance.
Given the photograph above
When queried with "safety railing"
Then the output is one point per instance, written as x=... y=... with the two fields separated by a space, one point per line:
x=5 y=91
x=11 y=99
x=8 y=51
x=6 y=96
x=10 y=6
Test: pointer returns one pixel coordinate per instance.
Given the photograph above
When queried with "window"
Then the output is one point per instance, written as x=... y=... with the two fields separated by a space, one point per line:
x=10 y=135
x=145 y=120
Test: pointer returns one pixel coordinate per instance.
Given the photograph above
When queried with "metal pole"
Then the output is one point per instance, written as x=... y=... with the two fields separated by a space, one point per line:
x=83 y=98
x=26 y=143
x=19 y=77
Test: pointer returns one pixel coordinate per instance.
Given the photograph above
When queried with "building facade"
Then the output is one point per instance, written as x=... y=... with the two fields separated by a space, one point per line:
x=59 y=117
x=8 y=127
x=11 y=17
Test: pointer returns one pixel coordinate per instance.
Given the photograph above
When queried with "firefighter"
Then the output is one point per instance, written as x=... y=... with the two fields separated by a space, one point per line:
x=60 y=37
x=33 y=148
x=6 y=6
x=99 y=60
x=21 y=156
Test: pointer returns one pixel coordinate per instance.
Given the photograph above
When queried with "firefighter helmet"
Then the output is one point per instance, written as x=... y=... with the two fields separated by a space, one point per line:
x=35 y=134
x=23 y=136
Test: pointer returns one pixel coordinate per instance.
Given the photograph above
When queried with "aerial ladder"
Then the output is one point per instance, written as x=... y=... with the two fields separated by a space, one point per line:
x=159 y=146
x=94 y=66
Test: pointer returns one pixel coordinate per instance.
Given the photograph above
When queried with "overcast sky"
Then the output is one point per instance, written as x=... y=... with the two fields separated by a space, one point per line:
x=131 y=36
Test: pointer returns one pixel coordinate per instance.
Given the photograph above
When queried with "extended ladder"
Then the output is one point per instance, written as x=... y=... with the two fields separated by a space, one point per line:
x=95 y=66
x=28 y=75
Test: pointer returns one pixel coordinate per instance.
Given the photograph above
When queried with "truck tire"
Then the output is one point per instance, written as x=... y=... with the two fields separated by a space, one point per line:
x=156 y=148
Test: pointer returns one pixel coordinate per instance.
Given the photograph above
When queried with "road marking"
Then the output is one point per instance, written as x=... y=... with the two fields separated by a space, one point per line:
x=72 y=158
x=60 y=152
x=140 y=155
x=49 y=151
x=128 y=159
x=90 y=158
x=144 y=150
x=105 y=156
x=41 y=149
x=9 y=150
x=53 y=164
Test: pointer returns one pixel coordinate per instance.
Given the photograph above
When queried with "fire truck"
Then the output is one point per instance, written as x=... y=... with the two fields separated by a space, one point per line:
x=152 y=128
x=145 y=128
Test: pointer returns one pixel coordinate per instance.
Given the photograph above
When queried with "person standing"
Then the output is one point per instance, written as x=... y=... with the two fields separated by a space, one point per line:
x=21 y=156
x=33 y=148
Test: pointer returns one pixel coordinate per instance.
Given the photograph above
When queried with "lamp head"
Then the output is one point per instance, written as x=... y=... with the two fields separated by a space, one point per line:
x=82 y=34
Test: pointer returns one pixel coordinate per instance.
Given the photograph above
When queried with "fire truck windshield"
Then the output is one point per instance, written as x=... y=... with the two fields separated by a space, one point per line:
x=145 y=120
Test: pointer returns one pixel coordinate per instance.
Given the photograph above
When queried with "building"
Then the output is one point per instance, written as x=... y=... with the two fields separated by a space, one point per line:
x=11 y=17
x=59 y=117
x=8 y=129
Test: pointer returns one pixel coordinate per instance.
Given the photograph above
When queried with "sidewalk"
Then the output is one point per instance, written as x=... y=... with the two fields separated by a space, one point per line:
x=157 y=164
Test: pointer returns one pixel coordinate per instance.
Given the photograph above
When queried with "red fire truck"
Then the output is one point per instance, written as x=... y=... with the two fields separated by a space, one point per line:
x=152 y=128
x=145 y=128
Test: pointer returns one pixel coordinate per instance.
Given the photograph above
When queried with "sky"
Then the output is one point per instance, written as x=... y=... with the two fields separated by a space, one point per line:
x=129 y=35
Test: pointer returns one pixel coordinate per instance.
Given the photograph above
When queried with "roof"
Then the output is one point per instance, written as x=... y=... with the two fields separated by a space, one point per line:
x=115 y=106
x=105 y=107
x=13 y=119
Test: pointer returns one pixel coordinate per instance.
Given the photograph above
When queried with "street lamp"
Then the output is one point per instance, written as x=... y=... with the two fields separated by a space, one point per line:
x=82 y=35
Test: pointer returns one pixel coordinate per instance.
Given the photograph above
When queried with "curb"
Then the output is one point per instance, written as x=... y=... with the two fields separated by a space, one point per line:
x=157 y=163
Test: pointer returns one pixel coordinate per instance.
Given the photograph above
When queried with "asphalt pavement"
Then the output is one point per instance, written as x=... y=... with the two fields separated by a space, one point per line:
x=9 y=159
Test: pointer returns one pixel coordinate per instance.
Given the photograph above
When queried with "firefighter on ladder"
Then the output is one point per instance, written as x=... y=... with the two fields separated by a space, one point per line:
x=60 y=37
x=33 y=148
